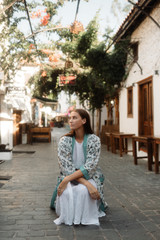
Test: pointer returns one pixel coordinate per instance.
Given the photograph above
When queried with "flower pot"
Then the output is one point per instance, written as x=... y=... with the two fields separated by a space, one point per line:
x=6 y=154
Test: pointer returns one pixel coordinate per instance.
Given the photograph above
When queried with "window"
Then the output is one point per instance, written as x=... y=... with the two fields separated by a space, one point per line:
x=130 y=101
x=134 y=48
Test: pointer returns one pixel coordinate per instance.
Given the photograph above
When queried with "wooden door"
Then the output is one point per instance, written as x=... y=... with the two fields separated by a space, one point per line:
x=146 y=109
x=16 y=127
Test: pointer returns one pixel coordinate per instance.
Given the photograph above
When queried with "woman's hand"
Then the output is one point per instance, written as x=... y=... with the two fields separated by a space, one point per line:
x=62 y=186
x=91 y=188
x=93 y=191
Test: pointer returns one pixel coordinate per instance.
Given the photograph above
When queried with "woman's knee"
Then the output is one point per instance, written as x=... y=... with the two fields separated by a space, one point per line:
x=82 y=190
x=66 y=193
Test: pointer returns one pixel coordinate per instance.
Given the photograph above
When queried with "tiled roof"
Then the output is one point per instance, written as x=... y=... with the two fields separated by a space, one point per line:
x=135 y=17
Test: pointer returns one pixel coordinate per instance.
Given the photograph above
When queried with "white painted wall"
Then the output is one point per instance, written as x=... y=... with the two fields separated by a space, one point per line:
x=18 y=100
x=148 y=36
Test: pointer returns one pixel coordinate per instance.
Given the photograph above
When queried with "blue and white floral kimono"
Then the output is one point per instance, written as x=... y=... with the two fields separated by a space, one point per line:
x=90 y=169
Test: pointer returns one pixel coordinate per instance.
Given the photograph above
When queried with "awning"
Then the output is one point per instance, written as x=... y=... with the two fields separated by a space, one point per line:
x=5 y=117
x=18 y=104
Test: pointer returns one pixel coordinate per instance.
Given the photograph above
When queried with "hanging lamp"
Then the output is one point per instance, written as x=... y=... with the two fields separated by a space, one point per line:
x=76 y=27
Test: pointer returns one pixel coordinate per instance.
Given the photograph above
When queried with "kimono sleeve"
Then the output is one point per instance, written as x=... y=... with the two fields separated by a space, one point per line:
x=65 y=156
x=92 y=157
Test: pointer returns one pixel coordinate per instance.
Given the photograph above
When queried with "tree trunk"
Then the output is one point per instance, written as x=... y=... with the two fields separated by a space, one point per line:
x=99 y=122
x=98 y=125
x=93 y=120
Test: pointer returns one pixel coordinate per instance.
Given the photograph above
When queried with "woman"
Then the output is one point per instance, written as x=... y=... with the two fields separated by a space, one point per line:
x=78 y=197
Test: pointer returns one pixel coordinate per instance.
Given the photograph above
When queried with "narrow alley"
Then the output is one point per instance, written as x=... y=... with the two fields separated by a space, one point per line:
x=132 y=193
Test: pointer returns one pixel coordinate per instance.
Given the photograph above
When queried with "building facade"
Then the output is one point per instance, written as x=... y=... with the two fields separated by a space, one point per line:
x=139 y=97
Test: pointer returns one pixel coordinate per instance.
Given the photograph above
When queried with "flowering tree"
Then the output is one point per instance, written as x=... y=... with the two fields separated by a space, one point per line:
x=98 y=73
x=16 y=45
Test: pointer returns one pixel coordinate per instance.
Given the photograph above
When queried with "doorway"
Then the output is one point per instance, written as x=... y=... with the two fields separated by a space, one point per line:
x=16 y=127
x=146 y=107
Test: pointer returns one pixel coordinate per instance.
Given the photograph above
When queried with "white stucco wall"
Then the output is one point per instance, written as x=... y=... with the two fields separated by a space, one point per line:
x=6 y=123
x=15 y=100
x=128 y=125
x=148 y=36
x=20 y=99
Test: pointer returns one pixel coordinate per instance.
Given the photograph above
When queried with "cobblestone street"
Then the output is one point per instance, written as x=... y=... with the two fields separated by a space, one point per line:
x=132 y=193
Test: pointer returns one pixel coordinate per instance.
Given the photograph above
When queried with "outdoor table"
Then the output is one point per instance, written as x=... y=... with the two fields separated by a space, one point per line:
x=148 y=141
x=123 y=142
x=156 y=142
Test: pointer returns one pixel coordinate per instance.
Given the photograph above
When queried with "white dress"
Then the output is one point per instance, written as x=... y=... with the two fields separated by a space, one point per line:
x=75 y=206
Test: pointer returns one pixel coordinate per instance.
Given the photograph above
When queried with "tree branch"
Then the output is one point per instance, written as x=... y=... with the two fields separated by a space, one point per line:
x=10 y=5
x=147 y=14
x=30 y=22
x=127 y=53
x=44 y=30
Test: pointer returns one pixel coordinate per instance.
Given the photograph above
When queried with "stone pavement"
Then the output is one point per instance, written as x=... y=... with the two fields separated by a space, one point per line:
x=132 y=193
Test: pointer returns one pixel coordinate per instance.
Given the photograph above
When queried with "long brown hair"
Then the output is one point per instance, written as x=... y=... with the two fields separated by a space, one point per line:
x=87 y=126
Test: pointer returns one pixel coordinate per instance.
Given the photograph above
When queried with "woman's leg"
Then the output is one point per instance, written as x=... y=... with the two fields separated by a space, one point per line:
x=65 y=207
x=86 y=209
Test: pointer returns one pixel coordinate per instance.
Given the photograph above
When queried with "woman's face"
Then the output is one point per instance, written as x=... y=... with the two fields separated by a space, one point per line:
x=75 y=121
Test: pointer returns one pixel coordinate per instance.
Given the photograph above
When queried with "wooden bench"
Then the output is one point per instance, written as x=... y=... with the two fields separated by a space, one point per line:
x=40 y=133
x=148 y=141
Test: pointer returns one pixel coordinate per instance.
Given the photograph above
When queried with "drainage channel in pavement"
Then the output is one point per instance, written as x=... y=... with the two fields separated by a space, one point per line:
x=29 y=152
x=3 y=179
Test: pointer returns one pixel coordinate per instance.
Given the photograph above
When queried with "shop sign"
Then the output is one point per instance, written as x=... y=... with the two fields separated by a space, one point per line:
x=67 y=80
x=16 y=91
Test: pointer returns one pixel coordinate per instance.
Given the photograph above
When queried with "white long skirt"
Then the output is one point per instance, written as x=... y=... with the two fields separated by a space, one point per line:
x=75 y=206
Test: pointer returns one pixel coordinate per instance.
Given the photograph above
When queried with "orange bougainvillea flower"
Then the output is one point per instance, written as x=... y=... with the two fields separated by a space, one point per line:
x=46 y=51
x=36 y=14
x=44 y=20
x=31 y=46
x=55 y=57
x=44 y=74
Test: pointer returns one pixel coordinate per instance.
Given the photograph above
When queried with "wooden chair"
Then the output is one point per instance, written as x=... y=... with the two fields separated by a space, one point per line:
x=108 y=140
x=148 y=141
x=109 y=130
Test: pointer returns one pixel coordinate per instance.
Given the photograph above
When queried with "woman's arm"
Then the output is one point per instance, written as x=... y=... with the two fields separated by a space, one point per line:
x=78 y=176
x=91 y=189
x=65 y=156
x=92 y=157
x=74 y=176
